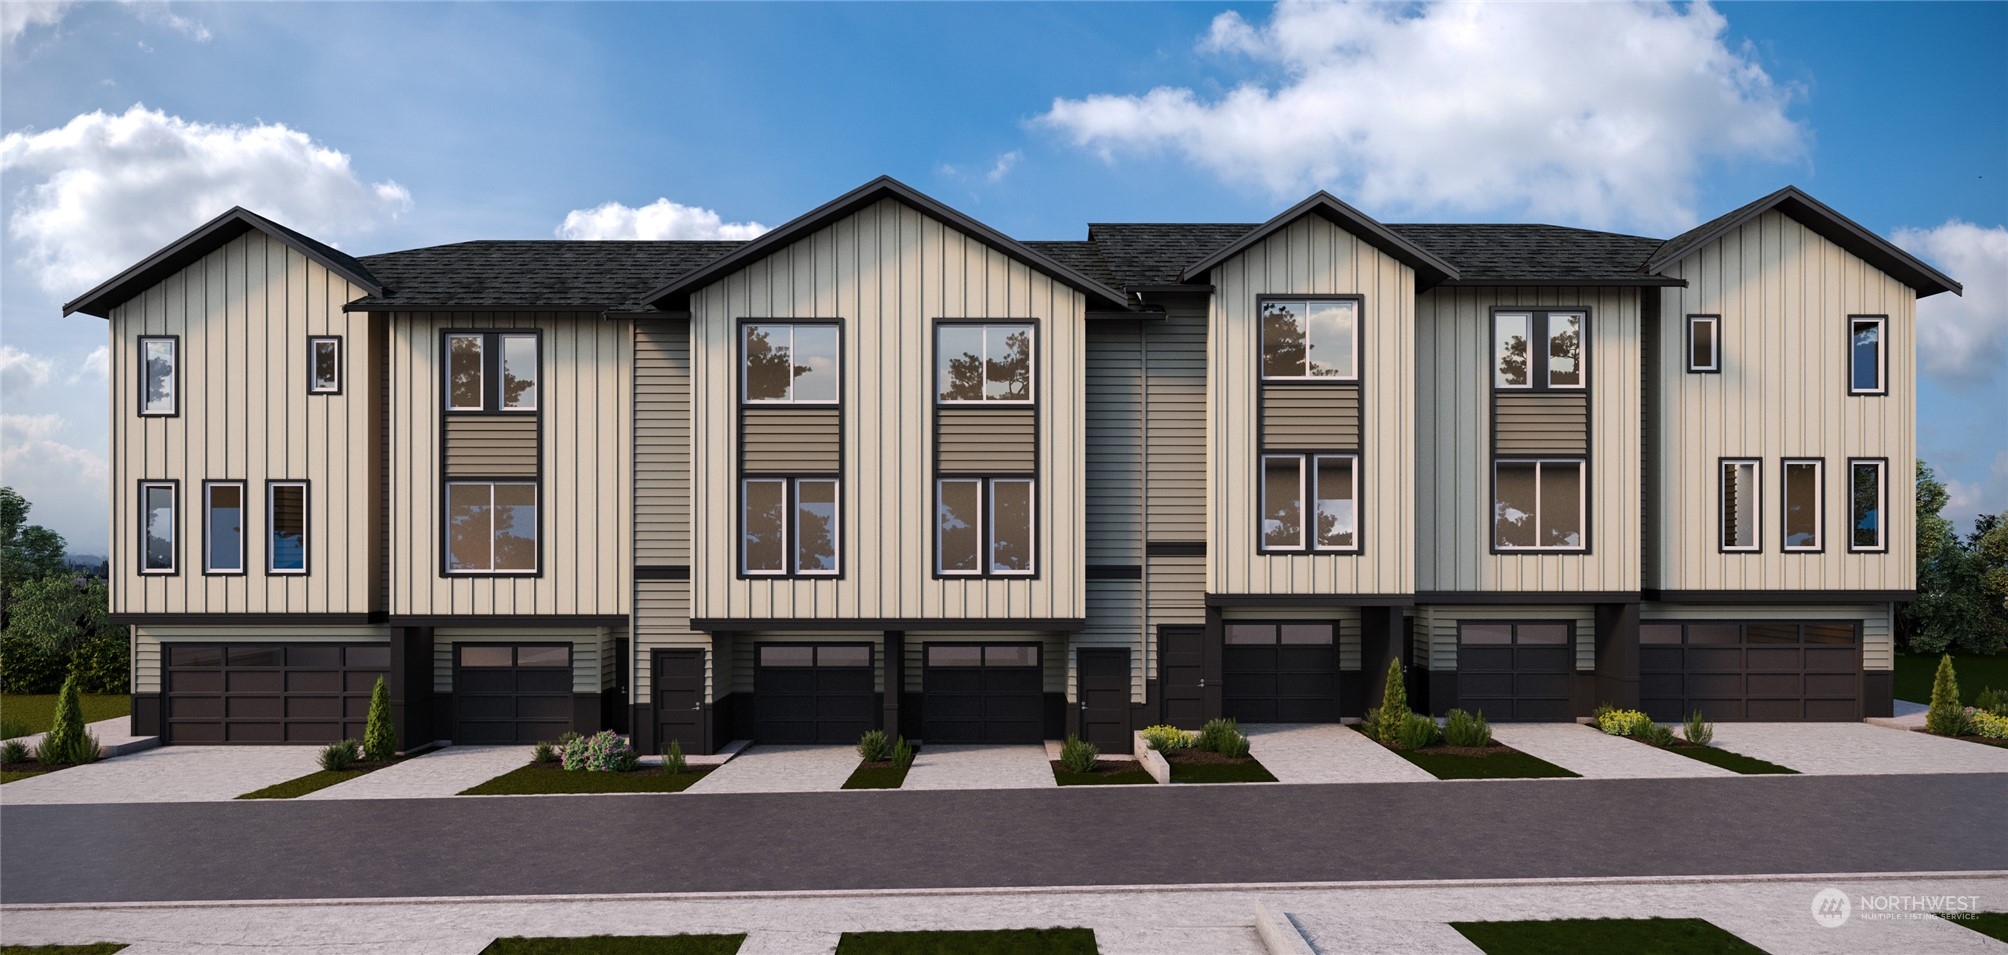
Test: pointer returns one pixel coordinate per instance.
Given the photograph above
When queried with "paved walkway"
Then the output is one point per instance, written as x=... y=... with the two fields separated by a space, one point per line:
x=1854 y=749
x=1326 y=753
x=1595 y=754
x=765 y=768
x=953 y=766
x=167 y=774
x=442 y=772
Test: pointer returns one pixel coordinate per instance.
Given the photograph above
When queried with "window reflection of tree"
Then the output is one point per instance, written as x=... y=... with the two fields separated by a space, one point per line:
x=770 y=368
x=1565 y=352
x=159 y=381
x=815 y=527
x=464 y=370
x=1011 y=523
x=1284 y=350
x=1513 y=360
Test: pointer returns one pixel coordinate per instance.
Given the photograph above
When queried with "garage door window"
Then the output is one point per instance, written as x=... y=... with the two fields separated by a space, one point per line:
x=1507 y=634
x=955 y=656
x=808 y=655
x=486 y=657
x=1765 y=634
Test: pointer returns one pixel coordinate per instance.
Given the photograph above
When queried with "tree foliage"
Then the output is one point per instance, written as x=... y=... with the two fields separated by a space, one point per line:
x=1962 y=583
x=27 y=551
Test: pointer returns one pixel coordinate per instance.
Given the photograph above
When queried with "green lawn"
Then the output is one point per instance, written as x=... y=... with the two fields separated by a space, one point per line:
x=1994 y=925
x=1734 y=762
x=547 y=779
x=311 y=782
x=24 y=713
x=100 y=948
x=617 y=944
x=1632 y=936
x=1248 y=772
x=876 y=777
x=1017 y=941
x=1065 y=777
x=1507 y=764
x=1915 y=671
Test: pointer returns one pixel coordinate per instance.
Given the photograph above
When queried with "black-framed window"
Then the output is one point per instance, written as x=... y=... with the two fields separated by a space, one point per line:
x=1540 y=504
x=978 y=363
x=789 y=526
x=1310 y=339
x=1331 y=485
x=1742 y=495
x=491 y=527
x=783 y=362
x=1516 y=633
x=1868 y=355
x=157 y=527
x=1804 y=507
x=985 y=526
x=286 y=527
x=223 y=527
x=159 y=370
x=324 y=365
x=486 y=655
x=1307 y=633
x=1704 y=343
x=1727 y=633
x=1868 y=505
x=1540 y=350
x=497 y=372
x=982 y=655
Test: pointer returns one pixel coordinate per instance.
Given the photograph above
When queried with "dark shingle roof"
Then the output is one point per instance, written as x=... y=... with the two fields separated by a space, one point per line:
x=554 y=274
x=1153 y=253
x=1544 y=254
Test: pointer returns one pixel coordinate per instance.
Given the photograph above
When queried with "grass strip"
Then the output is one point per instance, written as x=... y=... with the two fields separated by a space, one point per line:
x=548 y=779
x=1994 y=925
x=876 y=776
x=1653 y=936
x=311 y=782
x=1017 y=941
x=1915 y=672
x=26 y=713
x=1100 y=777
x=617 y=944
x=1248 y=772
x=1734 y=762
x=1507 y=763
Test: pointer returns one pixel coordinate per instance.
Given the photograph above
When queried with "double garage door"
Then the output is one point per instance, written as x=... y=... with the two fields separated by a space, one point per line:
x=1769 y=671
x=269 y=693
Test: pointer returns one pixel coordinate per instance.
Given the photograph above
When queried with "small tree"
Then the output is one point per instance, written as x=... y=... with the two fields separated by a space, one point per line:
x=1393 y=712
x=379 y=736
x=67 y=741
x=1946 y=716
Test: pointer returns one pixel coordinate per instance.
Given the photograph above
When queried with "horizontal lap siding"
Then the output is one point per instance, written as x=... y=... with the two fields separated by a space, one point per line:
x=789 y=441
x=1115 y=450
x=1542 y=424
x=1115 y=619
x=662 y=445
x=588 y=649
x=985 y=442
x=1311 y=417
x=662 y=622
x=1439 y=625
x=491 y=446
x=1176 y=424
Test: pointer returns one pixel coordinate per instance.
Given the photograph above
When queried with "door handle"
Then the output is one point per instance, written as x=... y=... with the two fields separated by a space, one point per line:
x=697 y=706
x=1084 y=702
x=1202 y=683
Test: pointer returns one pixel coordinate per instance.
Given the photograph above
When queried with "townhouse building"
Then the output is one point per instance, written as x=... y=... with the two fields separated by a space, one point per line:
x=886 y=467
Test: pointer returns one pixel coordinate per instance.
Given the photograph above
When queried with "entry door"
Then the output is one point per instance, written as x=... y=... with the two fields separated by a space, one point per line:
x=1103 y=689
x=1181 y=651
x=679 y=699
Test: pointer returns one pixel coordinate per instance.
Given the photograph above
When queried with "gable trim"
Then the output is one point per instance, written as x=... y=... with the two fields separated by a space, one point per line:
x=1429 y=270
x=207 y=238
x=1828 y=224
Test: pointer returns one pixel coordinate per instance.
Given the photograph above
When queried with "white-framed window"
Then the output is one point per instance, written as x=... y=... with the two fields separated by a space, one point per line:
x=984 y=362
x=1805 y=504
x=1742 y=495
x=1868 y=357
x=1704 y=345
x=985 y=527
x=491 y=527
x=1540 y=350
x=789 y=526
x=1539 y=505
x=492 y=371
x=158 y=375
x=286 y=527
x=1868 y=505
x=789 y=362
x=223 y=527
x=1331 y=521
x=1311 y=339
x=324 y=365
x=157 y=527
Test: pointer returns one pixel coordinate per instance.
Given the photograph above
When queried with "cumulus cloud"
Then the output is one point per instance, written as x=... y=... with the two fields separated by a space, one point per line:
x=106 y=190
x=661 y=219
x=158 y=13
x=66 y=483
x=16 y=16
x=1962 y=340
x=1594 y=113
x=96 y=365
x=20 y=371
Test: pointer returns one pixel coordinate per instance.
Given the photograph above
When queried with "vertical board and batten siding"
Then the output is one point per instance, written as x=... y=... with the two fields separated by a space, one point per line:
x=590 y=648
x=1453 y=470
x=1436 y=630
x=243 y=314
x=584 y=556
x=889 y=271
x=1784 y=294
x=1313 y=257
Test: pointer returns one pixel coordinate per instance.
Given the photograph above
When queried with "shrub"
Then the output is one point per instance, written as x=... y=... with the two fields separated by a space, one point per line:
x=1215 y=734
x=103 y=664
x=1992 y=701
x=1990 y=725
x=1700 y=732
x=902 y=753
x=1466 y=729
x=27 y=666
x=1077 y=756
x=1164 y=738
x=1235 y=747
x=379 y=736
x=1657 y=735
x=13 y=751
x=67 y=742
x=1388 y=720
x=603 y=752
x=1632 y=723
x=1416 y=732
x=336 y=757
x=872 y=746
x=672 y=758
x=1946 y=717
x=566 y=739
x=544 y=753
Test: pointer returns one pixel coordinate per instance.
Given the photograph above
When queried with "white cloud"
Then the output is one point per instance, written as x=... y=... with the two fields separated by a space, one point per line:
x=1594 y=113
x=109 y=190
x=1962 y=340
x=17 y=17
x=97 y=364
x=661 y=219
x=21 y=372
x=1003 y=166
x=158 y=13
x=66 y=483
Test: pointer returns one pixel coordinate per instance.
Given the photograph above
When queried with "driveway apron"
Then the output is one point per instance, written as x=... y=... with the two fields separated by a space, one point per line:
x=167 y=774
x=1326 y=753
x=1856 y=749
x=1593 y=753
x=980 y=766
x=782 y=769
x=443 y=772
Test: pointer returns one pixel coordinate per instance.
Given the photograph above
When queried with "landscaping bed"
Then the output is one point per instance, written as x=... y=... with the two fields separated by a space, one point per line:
x=1496 y=761
x=28 y=769
x=877 y=774
x=1915 y=672
x=97 y=948
x=1190 y=765
x=618 y=945
x=1970 y=738
x=1734 y=762
x=1107 y=772
x=1461 y=748
x=542 y=779
x=1016 y=941
x=1654 y=936
x=319 y=779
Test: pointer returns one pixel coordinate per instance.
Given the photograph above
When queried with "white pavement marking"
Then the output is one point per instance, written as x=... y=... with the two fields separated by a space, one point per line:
x=1858 y=749
x=781 y=769
x=442 y=772
x=1595 y=754
x=167 y=774
x=991 y=766
x=1327 y=753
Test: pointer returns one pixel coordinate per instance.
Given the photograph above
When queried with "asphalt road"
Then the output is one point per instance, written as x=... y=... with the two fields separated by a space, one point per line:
x=1126 y=835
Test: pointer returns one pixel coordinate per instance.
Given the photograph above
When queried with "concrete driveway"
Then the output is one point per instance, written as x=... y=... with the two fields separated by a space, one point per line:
x=443 y=772
x=764 y=768
x=1326 y=753
x=1595 y=754
x=1855 y=749
x=971 y=766
x=167 y=774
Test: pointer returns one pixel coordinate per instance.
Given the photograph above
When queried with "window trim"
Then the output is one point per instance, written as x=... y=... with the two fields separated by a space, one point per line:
x=739 y=360
x=173 y=528
x=1714 y=367
x=173 y=376
x=313 y=384
x=790 y=504
x=1882 y=506
x=1262 y=545
x=1538 y=372
x=209 y=568
x=1819 y=506
x=1882 y=356
x=1583 y=501
x=446 y=534
x=491 y=370
x=1307 y=486
x=1359 y=340
x=985 y=524
x=1722 y=545
x=306 y=528
x=1032 y=376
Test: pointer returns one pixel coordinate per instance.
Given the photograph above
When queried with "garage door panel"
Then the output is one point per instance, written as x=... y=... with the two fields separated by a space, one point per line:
x=982 y=693
x=1831 y=659
x=255 y=681
x=1776 y=685
x=1661 y=686
x=314 y=708
x=1543 y=685
x=195 y=707
x=805 y=703
x=1544 y=658
x=314 y=681
x=1771 y=678
x=1774 y=660
x=1488 y=685
x=1832 y=685
x=254 y=708
x=844 y=680
x=544 y=681
x=546 y=708
x=358 y=681
x=1715 y=685
x=484 y=680
x=1289 y=684
x=1484 y=657
x=210 y=732
x=1718 y=659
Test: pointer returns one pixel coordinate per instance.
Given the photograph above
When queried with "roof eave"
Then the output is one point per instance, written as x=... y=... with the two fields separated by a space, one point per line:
x=1831 y=225
x=1429 y=270
x=178 y=254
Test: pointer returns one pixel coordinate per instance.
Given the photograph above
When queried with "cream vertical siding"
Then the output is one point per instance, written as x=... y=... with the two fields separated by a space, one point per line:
x=1453 y=470
x=584 y=492
x=243 y=314
x=1313 y=257
x=888 y=271
x=1785 y=295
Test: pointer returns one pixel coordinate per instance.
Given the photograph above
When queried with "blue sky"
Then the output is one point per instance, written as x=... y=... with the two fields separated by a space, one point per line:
x=389 y=126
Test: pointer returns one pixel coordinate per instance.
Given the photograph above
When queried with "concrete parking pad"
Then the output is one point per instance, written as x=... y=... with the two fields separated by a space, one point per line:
x=1856 y=749
x=781 y=769
x=167 y=774
x=1326 y=753
x=442 y=772
x=1595 y=754
x=985 y=766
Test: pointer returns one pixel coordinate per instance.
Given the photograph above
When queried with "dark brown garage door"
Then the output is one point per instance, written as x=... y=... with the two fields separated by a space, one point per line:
x=270 y=692
x=1761 y=671
x=813 y=693
x=1280 y=673
x=983 y=693
x=1516 y=671
x=511 y=693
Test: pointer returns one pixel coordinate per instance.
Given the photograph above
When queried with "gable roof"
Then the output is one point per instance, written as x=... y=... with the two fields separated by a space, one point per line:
x=1503 y=254
x=1830 y=225
x=1429 y=270
x=676 y=294
x=548 y=274
x=207 y=238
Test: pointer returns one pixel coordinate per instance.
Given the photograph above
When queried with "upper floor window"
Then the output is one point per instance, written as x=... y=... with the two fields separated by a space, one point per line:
x=1539 y=505
x=1331 y=482
x=1311 y=339
x=1868 y=362
x=1741 y=495
x=1539 y=350
x=491 y=527
x=788 y=526
x=156 y=534
x=491 y=371
x=1868 y=499
x=1805 y=504
x=223 y=527
x=785 y=363
x=286 y=527
x=157 y=376
x=984 y=526
x=1703 y=348
x=977 y=362
x=324 y=365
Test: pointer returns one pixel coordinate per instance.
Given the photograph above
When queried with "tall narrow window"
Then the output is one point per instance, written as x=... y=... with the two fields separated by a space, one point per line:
x=1282 y=502
x=1702 y=347
x=157 y=376
x=816 y=526
x=785 y=363
x=985 y=526
x=788 y=526
x=465 y=372
x=1538 y=505
x=286 y=524
x=1540 y=350
x=1334 y=512
x=958 y=526
x=519 y=372
x=764 y=526
x=156 y=506
x=1867 y=363
x=1512 y=359
x=1741 y=495
x=324 y=365
x=1565 y=350
x=491 y=527
x=223 y=527
x=1010 y=543
x=1316 y=339
x=1804 y=504
x=983 y=362
x=1868 y=499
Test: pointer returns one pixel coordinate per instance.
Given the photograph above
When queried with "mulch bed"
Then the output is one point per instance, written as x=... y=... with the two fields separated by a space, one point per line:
x=320 y=779
x=10 y=772
x=877 y=774
x=1108 y=772
x=1494 y=761
x=1982 y=740
x=540 y=779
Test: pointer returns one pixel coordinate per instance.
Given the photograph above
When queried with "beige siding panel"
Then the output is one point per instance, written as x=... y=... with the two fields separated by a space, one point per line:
x=1115 y=499
x=589 y=646
x=662 y=444
x=1311 y=417
x=1439 y=630
x=1347 y=619
x=1175 y=423
x=1174 y=595
x=1878 y=635
x=1115 y=619
x=145 y=661
x=1542 y=424
x=973 y=441
x=791 y=440
x=491 y=446
x=1054 y=654
x=744 y=653
x=662 y=622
